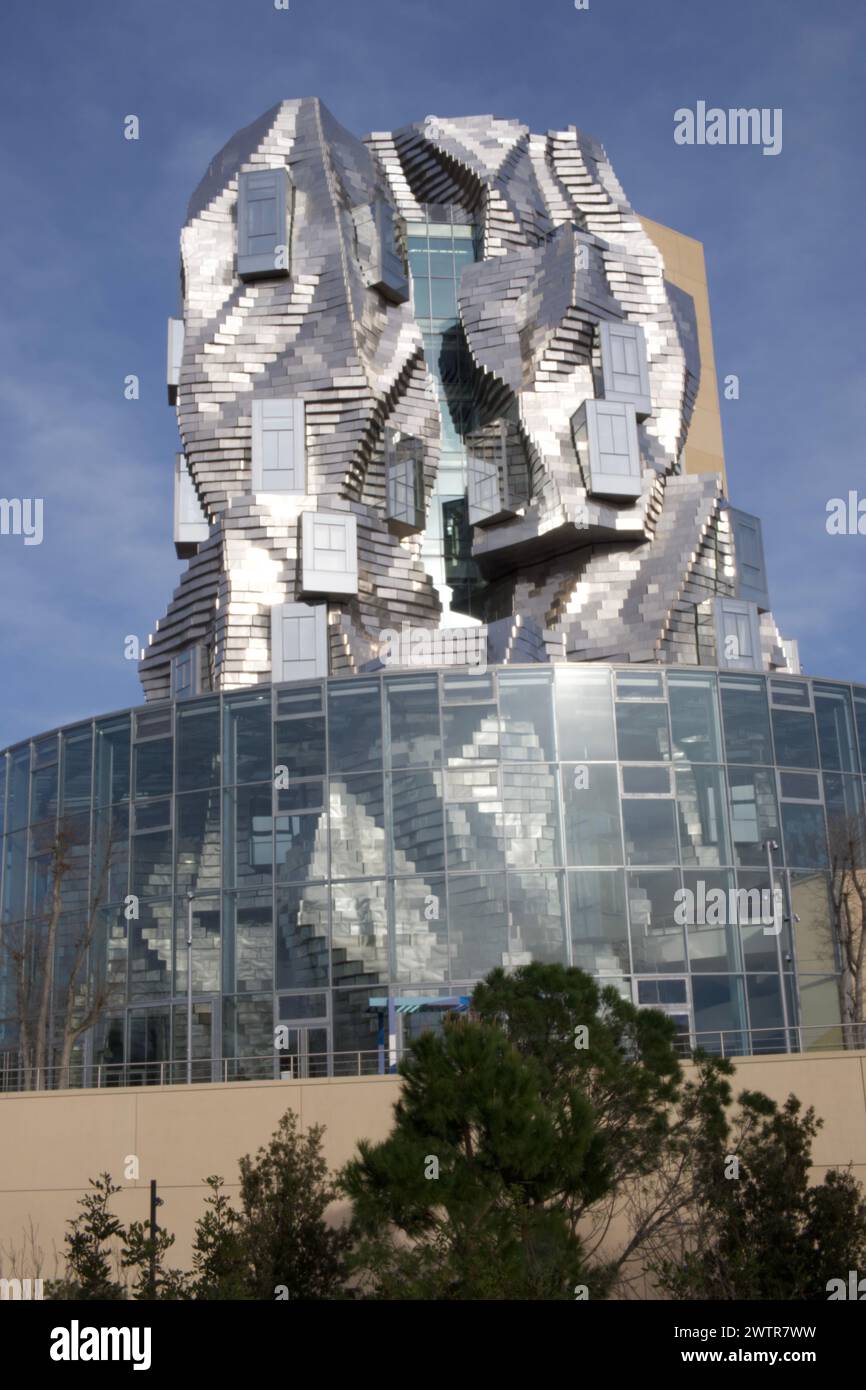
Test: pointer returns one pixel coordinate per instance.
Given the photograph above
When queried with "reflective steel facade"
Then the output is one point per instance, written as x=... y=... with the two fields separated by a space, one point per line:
x=403 y=833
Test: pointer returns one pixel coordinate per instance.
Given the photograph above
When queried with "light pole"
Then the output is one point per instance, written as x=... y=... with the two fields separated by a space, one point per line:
x=778 y=921
x=189 y=902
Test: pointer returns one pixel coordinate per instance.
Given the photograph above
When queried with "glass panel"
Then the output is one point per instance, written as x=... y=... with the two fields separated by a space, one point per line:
x=153 y=767
x=805 y=836
x=302 y=832
x=746 y=719
x=113 y=743
x=248 y=1037
x=642 y=732
x=150 y=951
x=303 y=936
x=248 y=855
x=527 y=715
x=15 y=876
x=111 y=855
x=766 y=1014
x=248 y=958
x=537 y=919
x=19 y=787
x=300 y=740
x=359 y=932
x=110 y=949
x=646 y=781
x=844 y=798
x=814 y=934
x=413 y=720
x=702 y=816
x=3 y=762
x=198 y=842
x=202 y=1041
x=357 y=813
x=756 y=911
x=860 y=715
x=718 y=1005
x=248 y=738
x=151 y=864
x=712 y=927
x=355 y=726
x=531 y=808
x=801 y=786
x=657 y=940
x=639 y=685
x=649 y=832
x=417 y=822
x=794 y=735
x=206 y=945
x=77 y=751
x=591 y=803
x=292 y=1007
x=584 y=714
x=198 y=745
x=478 y=919
x=791 y=693
x=819 y=1012
x=471 y=733
x=835 y=727
x=420 y=930
x=43 y=795
x=754 y=817
x=694 y=717
x=599 y=927
x=474 y=829
x=356 y=1034
x=149 y=1045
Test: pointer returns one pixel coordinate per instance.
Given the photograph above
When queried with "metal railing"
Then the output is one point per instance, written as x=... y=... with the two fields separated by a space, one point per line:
x=264 y=1067
x=731 y=1042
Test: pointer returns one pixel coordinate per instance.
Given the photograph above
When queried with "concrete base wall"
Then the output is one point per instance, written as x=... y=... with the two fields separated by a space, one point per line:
x=51 y=1144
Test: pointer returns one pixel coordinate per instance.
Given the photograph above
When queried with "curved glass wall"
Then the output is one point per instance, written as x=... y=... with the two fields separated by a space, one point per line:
x=358 y=849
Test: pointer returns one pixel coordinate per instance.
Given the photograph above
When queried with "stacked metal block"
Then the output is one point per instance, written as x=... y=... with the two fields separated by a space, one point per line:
x=326 y=332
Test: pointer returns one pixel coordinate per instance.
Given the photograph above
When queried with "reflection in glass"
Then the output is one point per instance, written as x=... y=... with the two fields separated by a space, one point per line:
x=420 y=930
x=591 y=805
x=198 y=745
x=357 y=825
x=657 y=941
x=694 y=717
x=151 y=864
x=354 y=726
x=206 y=944
x=537 y=919
x=746 y=719
x=471 y=733
x=766 y=1014
x=248 y=1035
x=474 y=830
x=150 y=951
x=153 y=767
x=359 y=932
x=248 y=854
x=649 y=831
x=76 y=762
x=712 y=928
x=835 y=727
x=794 y=735
x=303 y=936
x=198 y=841
x=413 y=720
x=702 y=815
x=478 y=921
x=417 y=822
x=642 y=732
x=762 y=948
x=813 y=924
x=112 y=761
x=584 y=714
x=527 y=715
x=805 y=836
x=754 y=817
x=719 y=1007
x=531 y=811
x=248 y=950
x=599 y=928
x=248 y=738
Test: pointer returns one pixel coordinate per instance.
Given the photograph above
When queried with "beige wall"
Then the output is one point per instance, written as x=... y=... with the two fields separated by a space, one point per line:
x=684 y=266
x=50 y=1144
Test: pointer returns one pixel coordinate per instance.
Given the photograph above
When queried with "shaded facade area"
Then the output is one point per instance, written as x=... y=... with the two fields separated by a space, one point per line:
x=353 y=854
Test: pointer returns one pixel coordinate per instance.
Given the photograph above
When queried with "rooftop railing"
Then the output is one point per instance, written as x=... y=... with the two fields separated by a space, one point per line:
x=754 y=1042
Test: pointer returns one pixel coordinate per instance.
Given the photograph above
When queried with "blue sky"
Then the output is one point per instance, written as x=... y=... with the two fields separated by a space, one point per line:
x=90 y=249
